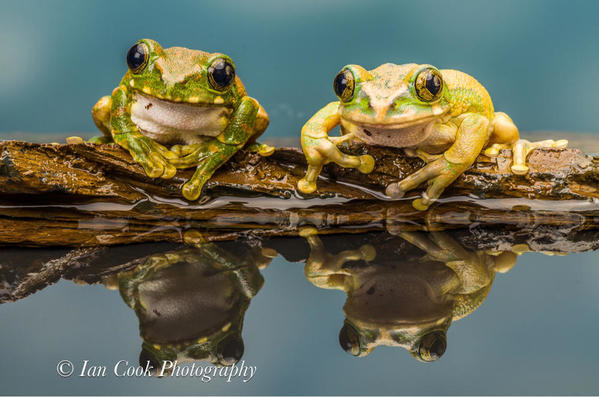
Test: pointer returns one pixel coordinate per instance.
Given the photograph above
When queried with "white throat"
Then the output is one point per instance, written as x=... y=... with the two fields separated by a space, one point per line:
x=169 y=122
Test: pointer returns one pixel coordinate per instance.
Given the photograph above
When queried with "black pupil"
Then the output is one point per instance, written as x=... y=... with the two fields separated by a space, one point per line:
x=222 y=73
x=340 y=83
x=433 y=83
x=136 y=56
x=437 y=349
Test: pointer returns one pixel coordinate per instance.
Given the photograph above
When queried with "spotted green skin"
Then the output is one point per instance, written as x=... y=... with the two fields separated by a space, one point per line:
x=448 y=133
x=179 y=75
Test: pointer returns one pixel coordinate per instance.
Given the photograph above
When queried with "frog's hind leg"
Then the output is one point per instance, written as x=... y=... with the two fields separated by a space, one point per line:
x=522 y=148
x=506 y=136
x=101 y=116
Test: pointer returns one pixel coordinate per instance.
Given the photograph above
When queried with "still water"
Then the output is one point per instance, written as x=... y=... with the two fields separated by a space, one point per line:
x=496 y=316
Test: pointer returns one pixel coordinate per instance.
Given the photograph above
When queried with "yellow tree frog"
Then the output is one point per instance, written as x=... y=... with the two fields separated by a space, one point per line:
x=445 y=117
x=399 y=296
x=188 y=99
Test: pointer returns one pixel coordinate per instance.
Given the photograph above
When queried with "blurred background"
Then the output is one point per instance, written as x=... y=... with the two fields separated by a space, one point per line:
x=538 y=59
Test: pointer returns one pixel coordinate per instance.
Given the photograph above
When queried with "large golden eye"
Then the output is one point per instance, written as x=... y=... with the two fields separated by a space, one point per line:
x=220 y=74
x=137 y=57
x=428 y=85
x=432 y=346
x=344 y=84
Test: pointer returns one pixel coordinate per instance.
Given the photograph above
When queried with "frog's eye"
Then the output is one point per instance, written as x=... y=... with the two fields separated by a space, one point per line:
x=344 y=84
x=428 y=85
x=220 y=74
x=432 y=346
x=230 y=350
x=349 y=339
x=137 y=57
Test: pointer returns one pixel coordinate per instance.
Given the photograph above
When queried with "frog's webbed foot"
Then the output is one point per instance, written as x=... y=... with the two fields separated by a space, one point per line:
x=321 y=262
x=262 y=149
x=521 y=149
x=208 y=157
x=153 y=157
x=441 y=173
x=322 y=152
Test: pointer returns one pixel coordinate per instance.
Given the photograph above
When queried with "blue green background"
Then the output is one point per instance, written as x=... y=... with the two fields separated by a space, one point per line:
x=538 y=59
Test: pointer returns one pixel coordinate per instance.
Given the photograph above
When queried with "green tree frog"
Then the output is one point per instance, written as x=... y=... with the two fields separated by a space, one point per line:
x=445 y=117
x=188 y=99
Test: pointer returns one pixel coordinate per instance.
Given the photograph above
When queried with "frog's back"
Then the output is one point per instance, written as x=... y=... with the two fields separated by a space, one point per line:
x=466 y=94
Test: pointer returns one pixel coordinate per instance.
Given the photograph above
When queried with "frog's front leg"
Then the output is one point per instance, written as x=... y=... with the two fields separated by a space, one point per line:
x=209 y=156
x=325 y=270
x=319 y=149
x=471 y=137
x=152 y=156
x=260 y=126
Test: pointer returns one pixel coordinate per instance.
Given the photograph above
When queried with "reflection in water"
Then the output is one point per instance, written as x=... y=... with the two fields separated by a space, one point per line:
x=191 y=302
x=404 y=288
x=402 y=294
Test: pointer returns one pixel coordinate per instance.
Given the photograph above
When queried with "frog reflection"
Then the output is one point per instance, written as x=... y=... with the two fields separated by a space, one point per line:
x=401 y=296
x=191 y=302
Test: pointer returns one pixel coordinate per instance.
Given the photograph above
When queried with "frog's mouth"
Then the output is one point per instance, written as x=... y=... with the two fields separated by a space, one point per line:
x=175 y=122
x=398 y=135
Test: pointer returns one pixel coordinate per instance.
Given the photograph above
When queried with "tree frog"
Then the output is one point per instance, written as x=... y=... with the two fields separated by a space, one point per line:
x=401 y=296
x=188 y=99
x=191 y=302
x=445 y=117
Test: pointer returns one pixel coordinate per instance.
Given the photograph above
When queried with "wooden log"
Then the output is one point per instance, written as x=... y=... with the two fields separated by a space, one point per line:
x=88 y=194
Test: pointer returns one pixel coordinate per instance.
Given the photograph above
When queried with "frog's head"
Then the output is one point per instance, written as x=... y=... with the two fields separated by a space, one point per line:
x=425 y=343
x=181 y=75
x=223 y=348
x=402 y=307
x=392 y=105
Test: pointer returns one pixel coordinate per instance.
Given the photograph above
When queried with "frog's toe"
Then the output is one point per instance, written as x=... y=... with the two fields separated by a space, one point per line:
x=367 y=252
x=262 y=149
x=169 y=171
x=306 y=186
x=519 y=169
x=160 y=167
x=306 y=231
x=153 y=170
x=192 y=190
x=366 y=164
x=422 y=203
x=394 y=191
